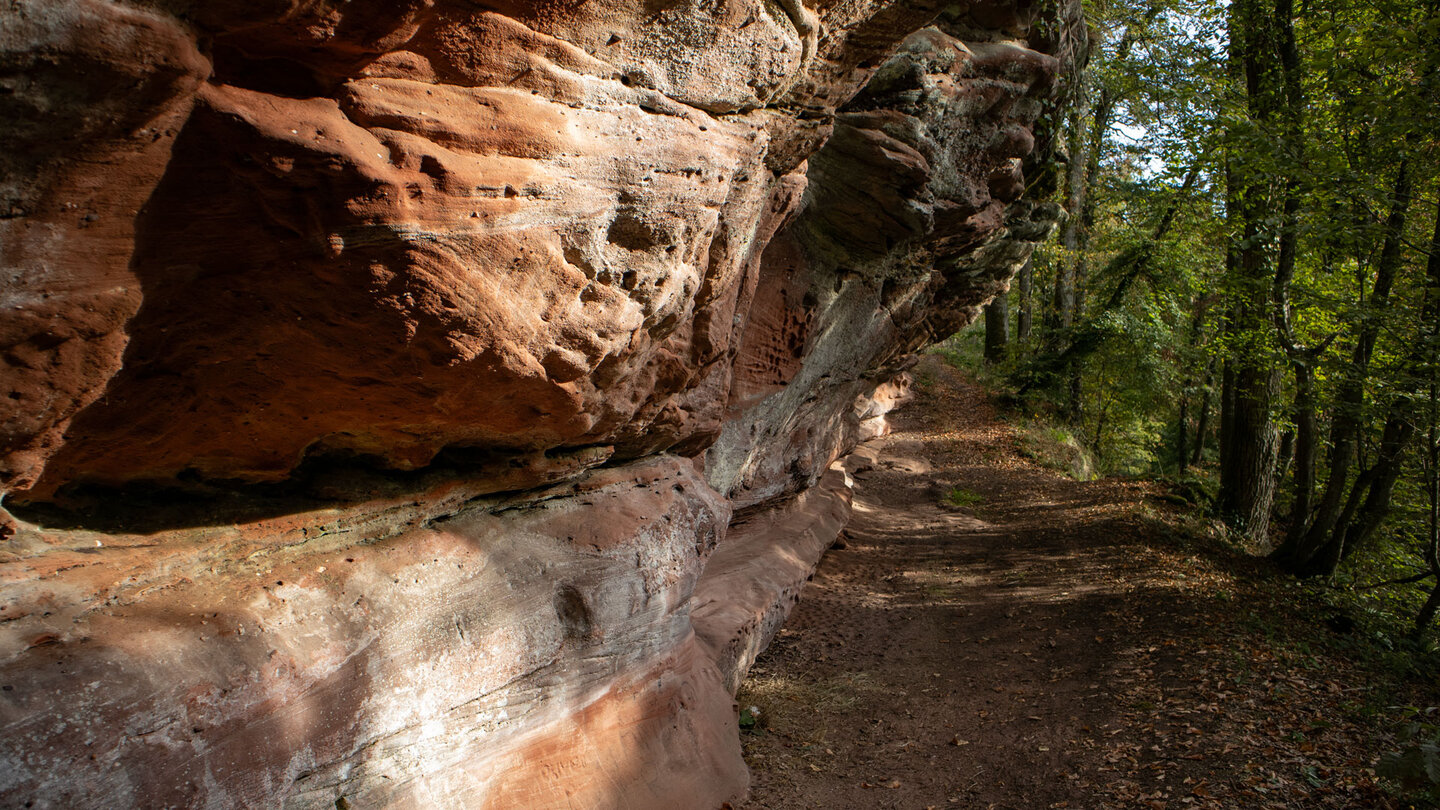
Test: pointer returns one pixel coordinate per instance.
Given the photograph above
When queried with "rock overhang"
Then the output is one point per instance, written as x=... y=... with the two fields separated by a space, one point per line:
x=331 y=291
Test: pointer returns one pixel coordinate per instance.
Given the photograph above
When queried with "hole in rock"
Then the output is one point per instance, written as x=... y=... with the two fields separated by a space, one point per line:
x=574 y=614
x=632 y=233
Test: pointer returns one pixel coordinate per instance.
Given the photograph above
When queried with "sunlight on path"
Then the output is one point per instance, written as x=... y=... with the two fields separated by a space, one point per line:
x=987 y=637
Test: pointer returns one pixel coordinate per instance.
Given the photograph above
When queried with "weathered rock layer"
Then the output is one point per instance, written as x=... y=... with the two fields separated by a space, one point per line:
x=431 y=403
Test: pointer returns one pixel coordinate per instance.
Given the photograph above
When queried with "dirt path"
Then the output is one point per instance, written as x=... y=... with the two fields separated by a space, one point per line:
x=1017 y=649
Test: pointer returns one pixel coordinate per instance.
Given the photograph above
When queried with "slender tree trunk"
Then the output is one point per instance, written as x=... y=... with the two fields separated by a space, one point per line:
x=997 y=328
x=1382 y=475
x=1432 y=483
x=1197 y=327
x=1302 y=440
x=1326 y=514
x=1025 y=317
x=1227 y=418
x=1306 y=437
x=1400 y=425
x=1075 y=388
x=1071 y=261
x=1202 y=419
x=1182 y=430
x=1284 y=453
x=1322 y=547
x=1305 y=443
x=1427 y=612
x=1080 y=202
x=1231 y=321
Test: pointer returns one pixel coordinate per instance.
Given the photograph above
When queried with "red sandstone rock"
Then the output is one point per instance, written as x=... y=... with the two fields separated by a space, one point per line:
x=95 y=94
x=409 y=670
x=757 y=574
x=380 y=377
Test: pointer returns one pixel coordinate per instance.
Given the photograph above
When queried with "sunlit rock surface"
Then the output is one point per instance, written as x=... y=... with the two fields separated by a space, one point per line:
x=434 y=403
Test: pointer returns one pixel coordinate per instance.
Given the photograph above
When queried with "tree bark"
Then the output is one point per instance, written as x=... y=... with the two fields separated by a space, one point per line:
x=1025 y=317
x=1248 y=493
x=1432 y=468
x=1305 y=442
x=997 y=328
x=1062 y=304
x=1382 y=477
x=1247 y=475
x=1197 y=328
x=1182 y=431
x=1302 y=359
x=1227 y=418
x=1202 y=419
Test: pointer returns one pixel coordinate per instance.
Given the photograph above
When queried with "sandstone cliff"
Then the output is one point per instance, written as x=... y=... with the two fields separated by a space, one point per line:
x=435 y=402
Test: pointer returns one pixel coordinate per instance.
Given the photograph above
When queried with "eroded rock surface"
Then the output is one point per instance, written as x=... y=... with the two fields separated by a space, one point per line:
x=381 y=379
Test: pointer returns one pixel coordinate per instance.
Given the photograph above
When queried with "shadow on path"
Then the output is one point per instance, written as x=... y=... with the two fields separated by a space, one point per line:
x=1043 y=646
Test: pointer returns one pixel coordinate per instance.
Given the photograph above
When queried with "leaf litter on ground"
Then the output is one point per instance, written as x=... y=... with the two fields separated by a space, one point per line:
x=1086 y=644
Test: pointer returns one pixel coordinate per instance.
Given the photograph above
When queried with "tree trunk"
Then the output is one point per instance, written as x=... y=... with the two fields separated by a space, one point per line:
x=1382 y=476
x=1231 y=318
x=1197 y=328
x=1400 y=423
x=1247 y=472
x=1283 y=455
x=1182 y=430
x=1247 y=494
x=1062 y=305
x=1427 y=613
x=1305 y=443
x=1227 y=418
x=1080 y=203
x=1247 y=476
x=1302 y=359
x=1202 y=419
x=997 y=328
x=1025 y=318
x=1432 y=472
x=1319 y=551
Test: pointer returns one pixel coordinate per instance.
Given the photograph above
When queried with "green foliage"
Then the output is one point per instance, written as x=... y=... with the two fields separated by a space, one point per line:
x=965 y=350
x=1415 y=766
x=1174 y=254
x=1129 y=382
x=750 y=719
x=1055 y=448
x=959 y=496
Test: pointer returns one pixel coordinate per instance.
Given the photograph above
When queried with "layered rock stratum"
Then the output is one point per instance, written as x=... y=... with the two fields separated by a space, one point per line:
x=418 y=403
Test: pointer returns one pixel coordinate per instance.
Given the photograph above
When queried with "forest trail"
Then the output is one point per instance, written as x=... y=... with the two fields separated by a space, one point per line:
x=1031 y=641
